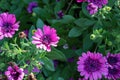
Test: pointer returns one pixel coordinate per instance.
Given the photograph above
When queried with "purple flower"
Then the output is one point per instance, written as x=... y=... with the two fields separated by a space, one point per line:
x=35 y=69
x=98 y=3
x=8 y=25
x=113 y=60
x=113 y=73
x=70 y=59
x=26 y=32
x=71 y=79
x=55 y=63
x=31 y=6
x=25 y=71
x=79 y=1
x=57 y=0
x=60 y=14
x=92 y=66
x=92 y=8
x=14 y=73
x=46 y=38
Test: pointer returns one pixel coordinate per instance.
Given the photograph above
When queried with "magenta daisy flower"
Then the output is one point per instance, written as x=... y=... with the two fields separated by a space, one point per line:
x=99 y=3
x=8 y=25
x=113 y=73
x=92 y=66
x=14 y=73
x=113 y=60
x=46 y=38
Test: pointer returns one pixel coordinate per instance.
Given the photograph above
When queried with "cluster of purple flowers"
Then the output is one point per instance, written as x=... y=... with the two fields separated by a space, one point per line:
x=93 y=65
x=93 y=5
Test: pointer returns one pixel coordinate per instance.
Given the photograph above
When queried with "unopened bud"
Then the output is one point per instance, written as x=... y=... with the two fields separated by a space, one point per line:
x=92 y=36
x=22 y=35
x=31 y=77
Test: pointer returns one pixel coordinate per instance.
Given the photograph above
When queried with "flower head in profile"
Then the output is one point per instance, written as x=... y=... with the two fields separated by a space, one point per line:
x=79 y=1
x=92 y=8
x=113 y=73
x=14 y=73
x=8 y=25
x=31 y=6
x=46 y=38
x=98 y=3
x=113 y=60
x=60 y=14
x=92 y=66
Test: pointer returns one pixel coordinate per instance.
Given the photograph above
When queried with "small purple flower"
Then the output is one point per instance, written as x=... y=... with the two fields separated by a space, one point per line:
x=60 y=14
x=92 y=8
x=113 y=60
x=113 y=73
x=71 y=79
x=8 y=25
x=26 y=32
x=14 y=73
x=98 y=3
x=79 y=1
x=57 y=0
x=92 y=66
x=35 y=69
x=55 y=63
x=25 y=71
x=70 y=59
x=31 y=6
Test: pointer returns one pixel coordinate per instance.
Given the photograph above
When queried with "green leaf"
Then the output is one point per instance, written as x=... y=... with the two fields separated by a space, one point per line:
x=39 y=23
x=84 y=22
x=87 y=43
x=45 y=1
x=56 y=54
x=61 y=42
x=30 y=32
x=67 y=19
x=75 y=32
x=48 y=63
x=84 y=10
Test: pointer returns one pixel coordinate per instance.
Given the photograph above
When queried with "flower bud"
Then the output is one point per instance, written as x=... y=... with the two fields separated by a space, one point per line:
x=22 y=35
x=33 y=31
x=34 y=14
x=92 y=36
x=31 y=77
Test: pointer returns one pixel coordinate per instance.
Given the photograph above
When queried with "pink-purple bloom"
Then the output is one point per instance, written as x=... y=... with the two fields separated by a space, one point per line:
x=8 y=25
x=14 y=73
x=92 y=66
x=79 y=1
x=92 y=8
x=31 y=6
x=98 y=3
x=46 y=38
